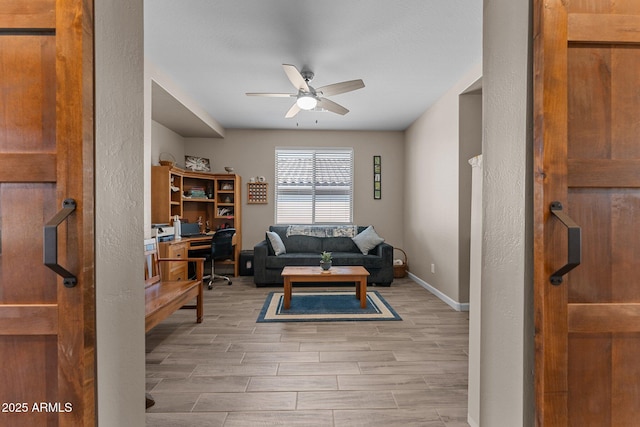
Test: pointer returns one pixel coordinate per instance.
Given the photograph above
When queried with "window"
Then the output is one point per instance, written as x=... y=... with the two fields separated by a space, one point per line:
x=314 y=186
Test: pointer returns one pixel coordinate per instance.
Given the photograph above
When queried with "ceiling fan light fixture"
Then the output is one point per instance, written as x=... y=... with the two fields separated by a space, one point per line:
x=307 y=97
x=307 y=102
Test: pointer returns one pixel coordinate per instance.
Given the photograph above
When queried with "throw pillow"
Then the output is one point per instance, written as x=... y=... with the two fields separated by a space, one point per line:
x=367 y=240
x=276 y=243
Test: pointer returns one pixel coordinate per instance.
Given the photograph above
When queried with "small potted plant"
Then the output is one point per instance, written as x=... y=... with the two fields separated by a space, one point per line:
x=325 y=260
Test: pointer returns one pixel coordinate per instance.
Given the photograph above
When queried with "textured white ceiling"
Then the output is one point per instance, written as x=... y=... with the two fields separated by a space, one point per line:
x=408 y=52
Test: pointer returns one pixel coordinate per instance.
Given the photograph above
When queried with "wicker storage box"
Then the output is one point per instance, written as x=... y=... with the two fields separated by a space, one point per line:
x=400 y=270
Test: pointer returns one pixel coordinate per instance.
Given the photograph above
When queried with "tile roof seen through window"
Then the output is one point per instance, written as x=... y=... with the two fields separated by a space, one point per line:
x=328 y=170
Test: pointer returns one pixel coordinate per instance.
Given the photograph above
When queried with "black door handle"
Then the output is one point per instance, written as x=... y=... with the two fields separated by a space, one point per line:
x=51 y=243
x=574 y=244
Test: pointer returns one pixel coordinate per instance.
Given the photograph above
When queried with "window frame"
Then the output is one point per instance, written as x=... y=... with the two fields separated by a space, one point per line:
x=318 y=214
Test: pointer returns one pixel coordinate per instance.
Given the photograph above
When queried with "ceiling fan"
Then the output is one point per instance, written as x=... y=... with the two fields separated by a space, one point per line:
x=308 y=98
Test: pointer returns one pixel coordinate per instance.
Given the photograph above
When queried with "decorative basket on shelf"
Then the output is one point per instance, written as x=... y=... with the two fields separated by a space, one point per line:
x=400 y=270
x=167 y=159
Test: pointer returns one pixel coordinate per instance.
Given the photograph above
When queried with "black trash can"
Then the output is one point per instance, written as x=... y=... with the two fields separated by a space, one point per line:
x=246 y=263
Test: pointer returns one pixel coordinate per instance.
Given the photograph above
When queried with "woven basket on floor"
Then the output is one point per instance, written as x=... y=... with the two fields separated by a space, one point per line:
x=400 y=270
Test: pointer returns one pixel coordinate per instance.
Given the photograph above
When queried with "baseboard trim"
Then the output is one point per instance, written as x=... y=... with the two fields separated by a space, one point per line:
x=457 y=306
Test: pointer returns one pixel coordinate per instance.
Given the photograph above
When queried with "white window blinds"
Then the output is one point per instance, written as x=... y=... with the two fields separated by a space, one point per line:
x=314 y=186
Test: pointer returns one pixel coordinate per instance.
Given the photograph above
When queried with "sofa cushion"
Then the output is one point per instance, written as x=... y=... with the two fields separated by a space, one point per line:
x=297 y=243
x=339 y=244
x=367 y=240
x=276 y=243
x=355 y=258
x=304 y=244
x=281 y=261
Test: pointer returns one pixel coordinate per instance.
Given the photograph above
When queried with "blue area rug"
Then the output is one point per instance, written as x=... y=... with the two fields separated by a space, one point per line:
x=327 y=306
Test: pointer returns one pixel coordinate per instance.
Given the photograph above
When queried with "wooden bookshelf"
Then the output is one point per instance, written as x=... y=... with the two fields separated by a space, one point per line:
x=214 y=198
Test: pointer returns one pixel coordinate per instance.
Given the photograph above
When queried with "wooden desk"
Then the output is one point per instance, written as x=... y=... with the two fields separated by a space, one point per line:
x=180 y=249
x=197 y=242
x=357 y=274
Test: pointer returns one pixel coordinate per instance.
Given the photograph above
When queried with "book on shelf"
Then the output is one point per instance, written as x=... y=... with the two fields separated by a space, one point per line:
x=197 y=193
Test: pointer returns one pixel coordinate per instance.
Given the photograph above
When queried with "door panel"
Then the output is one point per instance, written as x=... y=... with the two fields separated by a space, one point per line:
x=33 y=203
x=591 y=208
x=610 y=246
x=587 y=156
x=29 y=70
x=39 y=384
x=589 y=368
x=47 y=331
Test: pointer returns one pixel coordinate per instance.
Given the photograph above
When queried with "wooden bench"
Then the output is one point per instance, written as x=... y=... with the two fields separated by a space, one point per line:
x=163 y=297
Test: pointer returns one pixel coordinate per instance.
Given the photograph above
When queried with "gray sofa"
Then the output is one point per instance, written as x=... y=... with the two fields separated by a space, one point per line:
x=306 y=249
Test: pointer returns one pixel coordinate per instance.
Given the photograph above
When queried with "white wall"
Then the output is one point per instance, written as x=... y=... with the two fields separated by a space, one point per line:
x=507 y=350
x=432 y=214
x=119 y=213
x=470 y=146
x=252 y=153
x=166 y=143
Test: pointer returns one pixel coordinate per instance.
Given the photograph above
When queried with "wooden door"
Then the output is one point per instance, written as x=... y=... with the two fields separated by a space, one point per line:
x=587 y=157
x=47 y=333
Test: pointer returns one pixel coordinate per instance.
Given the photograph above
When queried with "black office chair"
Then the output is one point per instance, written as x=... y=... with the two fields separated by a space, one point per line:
x=221 y=249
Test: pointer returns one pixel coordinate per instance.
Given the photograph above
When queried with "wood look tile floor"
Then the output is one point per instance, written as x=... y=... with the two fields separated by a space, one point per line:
x=231 y=371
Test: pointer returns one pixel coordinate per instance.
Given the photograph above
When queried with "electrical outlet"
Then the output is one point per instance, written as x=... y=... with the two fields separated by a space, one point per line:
x=433 y=268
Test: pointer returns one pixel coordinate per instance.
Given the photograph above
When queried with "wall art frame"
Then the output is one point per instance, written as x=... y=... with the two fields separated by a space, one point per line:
x=197 y=164
x=377 y=177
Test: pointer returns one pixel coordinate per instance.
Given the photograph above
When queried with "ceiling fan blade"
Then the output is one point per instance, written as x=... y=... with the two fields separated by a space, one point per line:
x=342 y=87
x=295 y=77
x=324 y=103
x=273 y=95
x=292 y=111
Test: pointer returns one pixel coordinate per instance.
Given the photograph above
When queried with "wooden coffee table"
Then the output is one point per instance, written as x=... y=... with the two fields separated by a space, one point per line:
x=357 y=274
